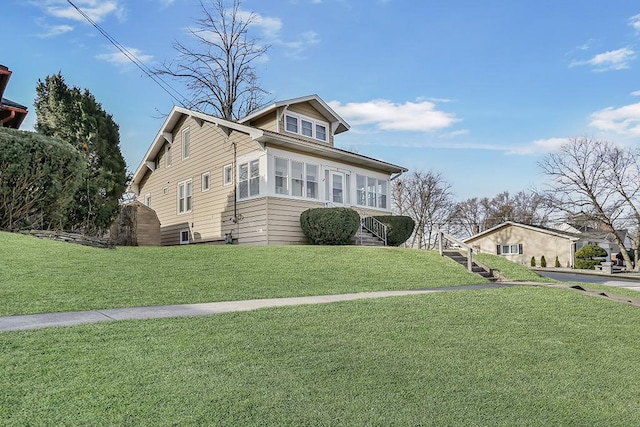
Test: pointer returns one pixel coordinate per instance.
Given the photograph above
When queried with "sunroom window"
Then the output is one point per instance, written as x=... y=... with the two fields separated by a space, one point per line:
x=297 y=178
x=282 y=176
x=371 y=191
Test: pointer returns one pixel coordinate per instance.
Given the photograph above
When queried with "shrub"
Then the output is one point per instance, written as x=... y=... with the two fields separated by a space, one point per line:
x=330 y=226
x=557 y=264
x=587 y=264
x=585 y=255
x=533 y=261
x=591 y=251
x=39 y=176
x=543 y=262
x=399 y=228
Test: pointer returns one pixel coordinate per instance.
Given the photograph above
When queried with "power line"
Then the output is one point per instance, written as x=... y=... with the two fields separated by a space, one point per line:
x=135 y=60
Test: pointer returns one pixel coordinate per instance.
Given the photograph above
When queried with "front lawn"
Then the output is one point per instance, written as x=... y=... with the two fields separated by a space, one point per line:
x=525 y=356
x=39 y=276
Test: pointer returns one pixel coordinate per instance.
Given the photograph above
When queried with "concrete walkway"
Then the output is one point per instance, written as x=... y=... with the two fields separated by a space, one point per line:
x=47 y=320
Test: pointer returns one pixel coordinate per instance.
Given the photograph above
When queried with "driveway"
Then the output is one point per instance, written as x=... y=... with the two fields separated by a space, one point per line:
x=610 y=280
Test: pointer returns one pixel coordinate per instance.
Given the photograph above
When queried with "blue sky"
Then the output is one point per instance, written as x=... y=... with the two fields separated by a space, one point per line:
x=476 y=90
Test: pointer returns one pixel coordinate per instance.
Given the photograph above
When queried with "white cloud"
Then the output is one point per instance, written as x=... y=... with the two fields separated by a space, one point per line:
x=305 y=40
x=540 y=146
x=55 y=30
x=624 y=120
x=611 y=60
x=270 y=26
x=635 y=93
x=119 y=58
x=419 y=116
x=97 y=10
x=634 y=21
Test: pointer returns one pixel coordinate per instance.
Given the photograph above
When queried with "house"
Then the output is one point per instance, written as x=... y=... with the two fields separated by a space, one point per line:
x=209 y=179
x=11 y=113
x=520 y=242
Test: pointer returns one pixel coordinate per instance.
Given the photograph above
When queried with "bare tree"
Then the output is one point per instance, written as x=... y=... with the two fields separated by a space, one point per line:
x=589 y=177
x=474 y=215
x=425 y=197
x=219 y=72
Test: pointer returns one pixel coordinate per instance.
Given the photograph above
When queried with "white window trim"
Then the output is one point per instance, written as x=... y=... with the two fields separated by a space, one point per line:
x=226 y=181
x=202 y=186
x=367 y=193
x=186 y=131
x=261 y=189
x=185 y=242
x=147 y=200
x=185 y=196
x=314 y=122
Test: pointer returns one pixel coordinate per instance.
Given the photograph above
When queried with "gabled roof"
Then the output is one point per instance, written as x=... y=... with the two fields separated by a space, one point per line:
x=338 y=123
x=557 y=233
x=261 y=137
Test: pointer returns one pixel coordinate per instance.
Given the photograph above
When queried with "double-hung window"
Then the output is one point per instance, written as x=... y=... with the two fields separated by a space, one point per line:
x=249 y=179
x=312 y=181
x=185 y=196
x=282 y=176
x=306 y=126
x=297 y=179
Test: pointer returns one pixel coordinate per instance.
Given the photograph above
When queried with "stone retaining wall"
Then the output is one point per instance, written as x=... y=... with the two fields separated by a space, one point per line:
x=64 y=236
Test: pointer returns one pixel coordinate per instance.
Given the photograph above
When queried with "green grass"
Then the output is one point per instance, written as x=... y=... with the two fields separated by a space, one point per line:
x=526 y=356
x=510 y=270
x=39 y=276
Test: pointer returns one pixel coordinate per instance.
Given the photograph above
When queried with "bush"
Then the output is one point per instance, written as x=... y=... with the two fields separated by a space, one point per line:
x=591 y=251
x=399 y=228
x=587 y=264
x=585 y=255
x=533 y=261
x=557 y=264
x=39 y=177
x=543 y=262
x=330 y=226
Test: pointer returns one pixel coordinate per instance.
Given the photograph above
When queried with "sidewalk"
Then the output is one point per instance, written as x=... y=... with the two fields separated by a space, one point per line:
x=47 y=320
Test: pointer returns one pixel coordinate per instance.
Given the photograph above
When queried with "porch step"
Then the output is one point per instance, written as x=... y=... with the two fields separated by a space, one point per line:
x=462 y=260
x=365 y=238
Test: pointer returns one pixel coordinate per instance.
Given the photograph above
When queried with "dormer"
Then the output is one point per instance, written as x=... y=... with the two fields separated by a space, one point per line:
x=307 y=117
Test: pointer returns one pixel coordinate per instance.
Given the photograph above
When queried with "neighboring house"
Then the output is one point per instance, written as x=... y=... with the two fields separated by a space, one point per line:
x=209 y=179
x=11 y=113
x=519 y=242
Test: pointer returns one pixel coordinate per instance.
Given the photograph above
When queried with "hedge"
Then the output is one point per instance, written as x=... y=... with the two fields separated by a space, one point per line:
x=38 y=178
x=399 y=228
x=330 y=226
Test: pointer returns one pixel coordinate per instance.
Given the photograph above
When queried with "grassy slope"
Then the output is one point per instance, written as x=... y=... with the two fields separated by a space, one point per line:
x=38 y=276
x=511 y=270
x=510 y=356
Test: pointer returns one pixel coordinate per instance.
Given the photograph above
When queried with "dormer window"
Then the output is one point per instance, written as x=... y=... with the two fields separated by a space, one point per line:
x=306 y=126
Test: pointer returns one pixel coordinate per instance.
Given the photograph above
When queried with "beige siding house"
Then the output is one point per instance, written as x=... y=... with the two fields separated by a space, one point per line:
x=211 y=180
x=519 y=242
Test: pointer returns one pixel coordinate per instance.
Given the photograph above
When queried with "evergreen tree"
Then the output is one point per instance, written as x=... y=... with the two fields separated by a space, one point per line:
x=75 y=116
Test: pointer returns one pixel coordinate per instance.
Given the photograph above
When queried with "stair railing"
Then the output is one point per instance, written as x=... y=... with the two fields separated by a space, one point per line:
x=442 y=236
x=374 y=227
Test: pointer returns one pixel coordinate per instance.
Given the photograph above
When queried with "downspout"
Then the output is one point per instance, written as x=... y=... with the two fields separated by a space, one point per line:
x=11 y=116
